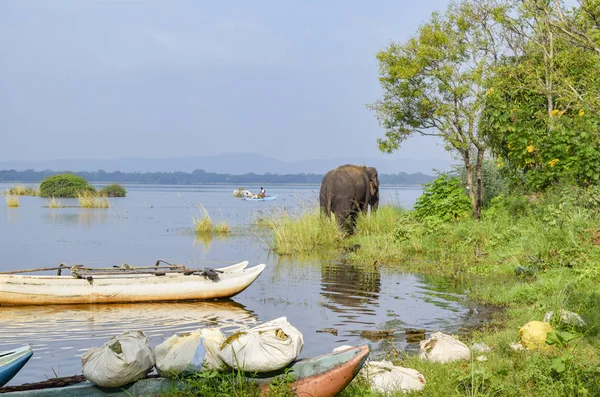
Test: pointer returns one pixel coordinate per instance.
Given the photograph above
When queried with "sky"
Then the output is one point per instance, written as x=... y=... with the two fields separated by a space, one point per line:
x=155 y=79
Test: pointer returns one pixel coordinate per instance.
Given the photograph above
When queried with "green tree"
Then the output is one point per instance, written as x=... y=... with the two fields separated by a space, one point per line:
x=538 y=116
x=435 y=84
x=64 y=185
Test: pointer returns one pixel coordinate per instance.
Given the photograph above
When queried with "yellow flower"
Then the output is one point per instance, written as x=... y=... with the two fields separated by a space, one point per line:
x=500 y=164
x=490 y=91
x=555 y=112
x=530 y=148
x=581 y=112
x=552 y=162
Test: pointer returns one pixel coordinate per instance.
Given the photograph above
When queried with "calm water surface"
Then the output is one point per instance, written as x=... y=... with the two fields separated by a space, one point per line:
x=156 y=222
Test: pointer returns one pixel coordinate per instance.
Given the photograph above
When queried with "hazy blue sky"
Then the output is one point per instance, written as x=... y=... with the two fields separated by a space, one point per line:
x=108 y=79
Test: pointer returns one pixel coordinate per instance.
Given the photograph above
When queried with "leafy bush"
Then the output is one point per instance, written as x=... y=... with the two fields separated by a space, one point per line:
x=64 y=185
x=114 y=190
x=443 y=198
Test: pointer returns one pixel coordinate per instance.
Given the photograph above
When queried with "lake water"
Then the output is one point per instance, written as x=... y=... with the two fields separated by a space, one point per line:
x=155 y=222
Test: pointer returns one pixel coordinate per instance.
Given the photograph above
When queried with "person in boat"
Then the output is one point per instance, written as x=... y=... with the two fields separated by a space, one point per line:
x=262 y=193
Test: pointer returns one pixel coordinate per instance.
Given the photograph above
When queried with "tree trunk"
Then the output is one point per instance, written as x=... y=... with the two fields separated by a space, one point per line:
x=470 y=189
x=479 y=176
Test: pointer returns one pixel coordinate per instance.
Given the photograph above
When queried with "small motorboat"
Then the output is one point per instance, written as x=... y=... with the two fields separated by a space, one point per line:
x=11 y=362
x=125 y=284
x=324 y=376
x=266 y=198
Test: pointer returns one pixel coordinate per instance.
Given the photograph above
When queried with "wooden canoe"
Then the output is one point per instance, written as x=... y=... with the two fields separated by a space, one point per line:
x=266 y=198
x=11 y=362
x=126 y=285
x=322 y=376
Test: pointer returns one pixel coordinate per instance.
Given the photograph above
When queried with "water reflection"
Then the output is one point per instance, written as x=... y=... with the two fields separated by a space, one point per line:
x=12 y=215
x=83 y=217
x=59 y=335
x=350 y=290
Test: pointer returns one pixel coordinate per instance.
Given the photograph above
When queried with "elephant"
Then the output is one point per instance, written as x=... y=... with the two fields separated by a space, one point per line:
x=347 y=190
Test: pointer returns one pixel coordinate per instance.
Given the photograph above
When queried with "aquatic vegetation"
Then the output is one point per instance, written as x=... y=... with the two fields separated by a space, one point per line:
x=53 y=202
x=89 y=199
x=64 y=185
x=21 y=190
x=114 y=190
x=12 y=200
x=304 y=232
x=222 y=228
x=202 y=223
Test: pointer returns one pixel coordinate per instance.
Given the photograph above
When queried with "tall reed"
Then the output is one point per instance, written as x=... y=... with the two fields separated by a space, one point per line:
x=89 y=199
x=12 y=200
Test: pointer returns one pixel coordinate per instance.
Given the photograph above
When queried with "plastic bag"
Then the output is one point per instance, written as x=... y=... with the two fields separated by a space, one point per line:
x=267 y=347
x=121 y=360
x=444 y=348
x=566 y=317
x=192 y=352
x=533 y=335
x=385 y=377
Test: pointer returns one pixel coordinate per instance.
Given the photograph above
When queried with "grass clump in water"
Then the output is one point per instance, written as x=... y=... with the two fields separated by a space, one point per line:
x=12 y=200
x=305 y=232
x=202 y=224
x=21 y=190
x=53 y=202
x=88 y=199
x=222 y=228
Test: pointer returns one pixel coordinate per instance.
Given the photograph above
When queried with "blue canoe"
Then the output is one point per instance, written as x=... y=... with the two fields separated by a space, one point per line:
x=11 y=362
x=266 y=198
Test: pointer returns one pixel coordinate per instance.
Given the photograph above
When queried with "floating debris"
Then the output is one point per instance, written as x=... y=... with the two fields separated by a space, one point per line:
x=332 y=331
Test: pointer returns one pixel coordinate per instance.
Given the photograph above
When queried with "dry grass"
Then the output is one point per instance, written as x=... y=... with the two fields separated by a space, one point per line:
x=12 y=200
x=89 y=199
x=54 y=203
x=21 y=190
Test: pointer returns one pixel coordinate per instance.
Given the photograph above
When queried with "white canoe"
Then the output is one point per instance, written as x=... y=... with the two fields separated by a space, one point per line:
x=17 y=289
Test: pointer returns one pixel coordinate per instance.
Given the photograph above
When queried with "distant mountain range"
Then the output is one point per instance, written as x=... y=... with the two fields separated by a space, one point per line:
x=229 y=163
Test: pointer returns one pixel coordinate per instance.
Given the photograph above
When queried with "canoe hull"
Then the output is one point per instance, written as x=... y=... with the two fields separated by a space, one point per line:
x=323 y=376
x=44 y=290
x=267 y=198
x=11 y=362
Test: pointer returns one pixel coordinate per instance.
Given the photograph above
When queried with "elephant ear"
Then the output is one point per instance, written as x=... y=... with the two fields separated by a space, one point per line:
x=373 y=180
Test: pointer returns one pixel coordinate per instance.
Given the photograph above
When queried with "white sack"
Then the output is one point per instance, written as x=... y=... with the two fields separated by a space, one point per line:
x=385 y=377
x=267 y=347
x=565 y=317
x=443 y=348
x=192 y=352
x=121 y=360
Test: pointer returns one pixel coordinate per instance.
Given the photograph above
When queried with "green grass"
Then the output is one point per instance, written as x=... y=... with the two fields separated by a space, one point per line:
x=202 y=223
x=233 y=384
x=21 y=190
x=11 y=200
x=522 y=260
x=88 y=199
x=303 y=233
